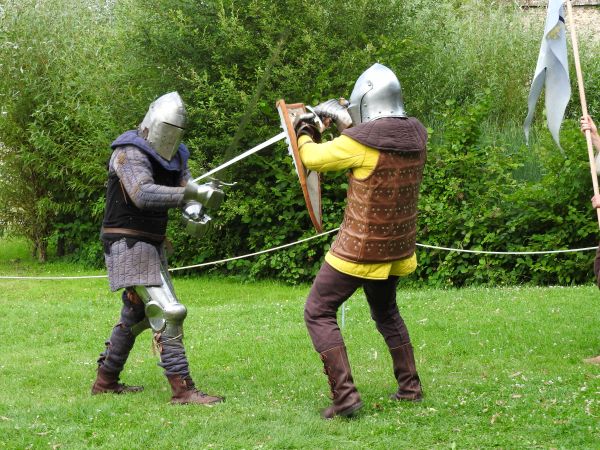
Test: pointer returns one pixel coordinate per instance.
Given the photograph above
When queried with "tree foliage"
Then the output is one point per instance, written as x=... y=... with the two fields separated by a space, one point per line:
x=77 y=73
x=54 y=117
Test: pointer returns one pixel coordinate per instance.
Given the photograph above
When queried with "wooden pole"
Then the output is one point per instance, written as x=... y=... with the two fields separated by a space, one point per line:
x=584 y=109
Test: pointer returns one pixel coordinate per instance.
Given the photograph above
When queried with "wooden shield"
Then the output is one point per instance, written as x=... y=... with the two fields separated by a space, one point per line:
x=310 y=181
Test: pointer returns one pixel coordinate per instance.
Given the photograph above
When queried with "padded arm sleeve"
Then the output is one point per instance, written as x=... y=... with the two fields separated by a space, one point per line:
x=135 y=172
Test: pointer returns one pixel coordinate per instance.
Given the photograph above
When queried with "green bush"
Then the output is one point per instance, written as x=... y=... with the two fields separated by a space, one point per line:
x=85 y=71
x=471 y=199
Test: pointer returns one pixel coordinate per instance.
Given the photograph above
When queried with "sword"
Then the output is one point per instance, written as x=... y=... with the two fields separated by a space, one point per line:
x=247 y=153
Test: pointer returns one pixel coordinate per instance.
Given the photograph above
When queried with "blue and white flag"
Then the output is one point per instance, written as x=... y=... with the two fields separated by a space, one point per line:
x=552 y=72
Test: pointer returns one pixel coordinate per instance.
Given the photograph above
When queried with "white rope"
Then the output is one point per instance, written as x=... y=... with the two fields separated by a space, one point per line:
x=83 y=277
x=257 y=253
x=483 y=252
x=262 y=252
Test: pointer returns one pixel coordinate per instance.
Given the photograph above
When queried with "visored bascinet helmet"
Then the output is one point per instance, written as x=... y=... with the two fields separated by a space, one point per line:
x=164 y=124
x=377 y=93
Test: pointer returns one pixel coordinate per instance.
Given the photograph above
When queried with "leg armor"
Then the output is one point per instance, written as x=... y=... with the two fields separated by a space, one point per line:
x=164 y=312
x=166 y=315
x=123 y=335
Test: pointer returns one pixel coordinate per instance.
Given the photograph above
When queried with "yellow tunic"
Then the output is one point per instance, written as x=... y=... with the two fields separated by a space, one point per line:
x=345 y=153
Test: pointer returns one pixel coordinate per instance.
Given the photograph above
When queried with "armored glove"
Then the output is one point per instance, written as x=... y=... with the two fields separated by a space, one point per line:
x=306 y=126
x=208 y=194
x=336 y=110
x=195 y=221
x=197 y=198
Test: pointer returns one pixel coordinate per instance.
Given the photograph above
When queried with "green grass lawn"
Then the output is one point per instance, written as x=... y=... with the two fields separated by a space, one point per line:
x=501 y=368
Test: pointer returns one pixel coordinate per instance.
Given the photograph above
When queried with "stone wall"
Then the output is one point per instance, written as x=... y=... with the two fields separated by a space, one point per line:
x=585 y=12
x=538 y=3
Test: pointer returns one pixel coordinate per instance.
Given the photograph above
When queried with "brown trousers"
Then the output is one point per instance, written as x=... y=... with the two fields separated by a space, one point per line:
x=332 y=288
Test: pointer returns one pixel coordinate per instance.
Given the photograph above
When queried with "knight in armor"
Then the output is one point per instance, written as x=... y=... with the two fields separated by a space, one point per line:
x=148 y=175
x=384 y=152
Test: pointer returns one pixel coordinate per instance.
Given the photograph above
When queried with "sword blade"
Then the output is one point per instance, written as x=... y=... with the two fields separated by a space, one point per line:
x=247 y=153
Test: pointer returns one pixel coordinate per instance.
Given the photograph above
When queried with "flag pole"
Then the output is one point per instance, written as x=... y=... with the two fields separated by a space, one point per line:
x=584 y=109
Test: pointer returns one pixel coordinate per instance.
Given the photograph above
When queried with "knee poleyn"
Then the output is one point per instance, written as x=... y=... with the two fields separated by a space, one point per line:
x=159 y=316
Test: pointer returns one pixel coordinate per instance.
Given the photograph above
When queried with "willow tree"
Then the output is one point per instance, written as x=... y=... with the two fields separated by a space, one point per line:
x=55 y=121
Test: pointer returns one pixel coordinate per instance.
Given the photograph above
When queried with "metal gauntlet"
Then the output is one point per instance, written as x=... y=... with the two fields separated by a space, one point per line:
x=195 y=221
x=209 y=194
x=336 y=110
x=198 y=198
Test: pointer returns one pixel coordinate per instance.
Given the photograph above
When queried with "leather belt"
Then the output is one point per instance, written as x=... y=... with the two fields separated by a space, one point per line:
x=134 y=233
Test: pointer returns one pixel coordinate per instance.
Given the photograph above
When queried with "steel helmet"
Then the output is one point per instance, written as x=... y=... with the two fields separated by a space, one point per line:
x=164 y=124
x=377 y=93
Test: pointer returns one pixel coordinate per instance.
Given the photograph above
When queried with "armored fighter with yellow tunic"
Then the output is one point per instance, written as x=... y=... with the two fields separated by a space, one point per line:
x=385 y=152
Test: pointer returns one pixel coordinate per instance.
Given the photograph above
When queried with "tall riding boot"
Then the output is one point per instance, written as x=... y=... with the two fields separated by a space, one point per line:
x=346 y=399
x=175 y=363
x=118 y=346
x=405 y=371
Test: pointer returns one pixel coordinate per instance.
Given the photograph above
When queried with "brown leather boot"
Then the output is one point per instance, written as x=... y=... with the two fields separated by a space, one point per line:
x=108 y=382
x=184 y=391
x=346 y=399
x=405 y=371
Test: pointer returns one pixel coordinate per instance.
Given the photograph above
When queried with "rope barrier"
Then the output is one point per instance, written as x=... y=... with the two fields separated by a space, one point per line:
x=83 y=277
x=483 y=252
x=257 y=253
x=291 y=244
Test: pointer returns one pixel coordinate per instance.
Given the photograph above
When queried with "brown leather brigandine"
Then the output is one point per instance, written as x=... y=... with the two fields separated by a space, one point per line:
x=380 y=221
